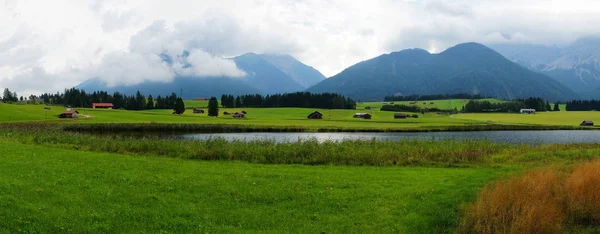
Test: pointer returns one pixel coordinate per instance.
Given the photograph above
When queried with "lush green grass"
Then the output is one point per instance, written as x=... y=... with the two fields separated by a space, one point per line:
x=255 y=116
x=450 y=104
x=54 y=190
x=572 y=118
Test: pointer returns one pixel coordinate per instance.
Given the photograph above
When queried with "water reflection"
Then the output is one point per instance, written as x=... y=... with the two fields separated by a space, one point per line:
x=513 y=137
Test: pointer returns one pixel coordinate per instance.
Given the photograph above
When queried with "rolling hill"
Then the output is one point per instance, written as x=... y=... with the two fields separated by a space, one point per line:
x=465 y=68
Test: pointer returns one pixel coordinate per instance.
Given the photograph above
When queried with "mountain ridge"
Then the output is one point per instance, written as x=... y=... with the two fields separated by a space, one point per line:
x=465 y=68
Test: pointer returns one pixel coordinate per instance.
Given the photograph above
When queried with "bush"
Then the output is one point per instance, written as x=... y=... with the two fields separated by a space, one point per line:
x=414 y=116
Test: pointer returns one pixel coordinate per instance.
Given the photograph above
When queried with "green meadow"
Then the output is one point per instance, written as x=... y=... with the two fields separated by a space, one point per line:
x=54 y=180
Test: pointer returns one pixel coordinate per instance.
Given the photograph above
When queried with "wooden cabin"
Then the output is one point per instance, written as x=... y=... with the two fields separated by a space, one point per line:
x=587 y=123
x=362 y=115
x=315 y=115
x=401 y=116
x=527 y=111
x=198 y=111
x=102 y=105
x=238 y=115
x=69 y=114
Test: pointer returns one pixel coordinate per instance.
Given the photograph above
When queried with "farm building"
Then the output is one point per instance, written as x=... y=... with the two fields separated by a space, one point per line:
x=587 y=123
x=362 y=115
x=226 y=113
x=401 y=116
x=201 y=99
x=69 y=114
x=238 y=115
x=102 y=105
x=527 y=111
x=198 y=111
x=315 y=115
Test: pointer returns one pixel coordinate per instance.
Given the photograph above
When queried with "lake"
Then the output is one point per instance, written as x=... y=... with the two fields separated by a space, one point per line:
x=513 y=137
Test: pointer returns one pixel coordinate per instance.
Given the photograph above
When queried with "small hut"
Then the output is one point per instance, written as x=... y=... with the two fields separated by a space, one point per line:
x=102 y=105
x=401 y=116
x=198 y=111
x=315 y=115
x=238 y=115
x=362 y=115
x=69 y=114
x=527 y=111
x=226 y=113
x=587 y=123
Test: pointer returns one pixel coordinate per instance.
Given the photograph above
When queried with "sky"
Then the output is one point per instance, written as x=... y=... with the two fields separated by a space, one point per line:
x=47 y=46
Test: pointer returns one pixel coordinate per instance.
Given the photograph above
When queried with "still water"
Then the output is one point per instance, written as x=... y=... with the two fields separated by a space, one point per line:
x=513 y=137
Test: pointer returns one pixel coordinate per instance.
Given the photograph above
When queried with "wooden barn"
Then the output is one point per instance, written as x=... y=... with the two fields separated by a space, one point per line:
x=362 y=115
x=401 y=116
x=315 y=115
x=527 y=111
x=102 y=105
x=69 y=114
x=587 y=123
x=238 y=115
x=198 y=111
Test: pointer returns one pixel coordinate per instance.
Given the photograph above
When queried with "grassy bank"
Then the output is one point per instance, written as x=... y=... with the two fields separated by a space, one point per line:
x=308 y=152
x=49 y=190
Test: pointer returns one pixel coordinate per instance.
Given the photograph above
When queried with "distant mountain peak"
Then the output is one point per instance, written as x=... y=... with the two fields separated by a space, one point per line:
x=465 y=68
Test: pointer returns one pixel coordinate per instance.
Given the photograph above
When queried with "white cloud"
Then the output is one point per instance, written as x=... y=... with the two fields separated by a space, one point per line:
x=63 y=42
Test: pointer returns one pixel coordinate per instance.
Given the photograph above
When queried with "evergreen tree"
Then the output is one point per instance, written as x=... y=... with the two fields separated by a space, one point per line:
x=213 y=107
x=179 y=107
x=238 y=102
x=150 y=103
x=556 y=107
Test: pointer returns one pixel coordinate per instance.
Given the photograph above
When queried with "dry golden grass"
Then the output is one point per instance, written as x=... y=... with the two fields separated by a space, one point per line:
x=540 y=201
x=583 y=193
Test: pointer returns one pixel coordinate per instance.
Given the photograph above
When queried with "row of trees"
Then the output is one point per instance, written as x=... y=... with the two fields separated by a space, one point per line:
x=583 y=105
x=433 y=97
x=79 y=98
x=9 y=96
x=298 y=99
x=538 y=104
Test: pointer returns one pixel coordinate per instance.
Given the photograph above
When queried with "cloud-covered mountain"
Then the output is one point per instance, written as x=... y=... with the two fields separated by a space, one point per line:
x=265 y=74
x=465 y=68
x=577 y=66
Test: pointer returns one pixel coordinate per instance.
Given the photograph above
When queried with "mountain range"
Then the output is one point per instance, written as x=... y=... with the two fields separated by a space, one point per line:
x=518 y=71
x=576 y=65
x=465 y=68
x=265 y=74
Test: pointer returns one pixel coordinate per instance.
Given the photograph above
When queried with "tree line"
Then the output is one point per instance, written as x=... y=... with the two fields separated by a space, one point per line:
x=539 y=104
x=432 y=97
x=78 y=98
x=583 y=105
x=298 y=99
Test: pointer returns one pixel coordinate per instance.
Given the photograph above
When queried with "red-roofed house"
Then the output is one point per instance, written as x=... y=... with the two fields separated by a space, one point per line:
x=102 y=105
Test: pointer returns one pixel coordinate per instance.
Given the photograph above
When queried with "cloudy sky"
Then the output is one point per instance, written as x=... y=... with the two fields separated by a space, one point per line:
x=46 y=46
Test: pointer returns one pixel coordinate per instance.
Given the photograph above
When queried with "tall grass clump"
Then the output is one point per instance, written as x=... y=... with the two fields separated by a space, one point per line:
x=583 y=194
x=540 y=201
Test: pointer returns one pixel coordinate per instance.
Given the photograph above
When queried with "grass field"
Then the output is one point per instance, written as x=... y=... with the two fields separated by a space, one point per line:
x=256 y=116
x=541 y=118
x=44 y=189
x=450 y=104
